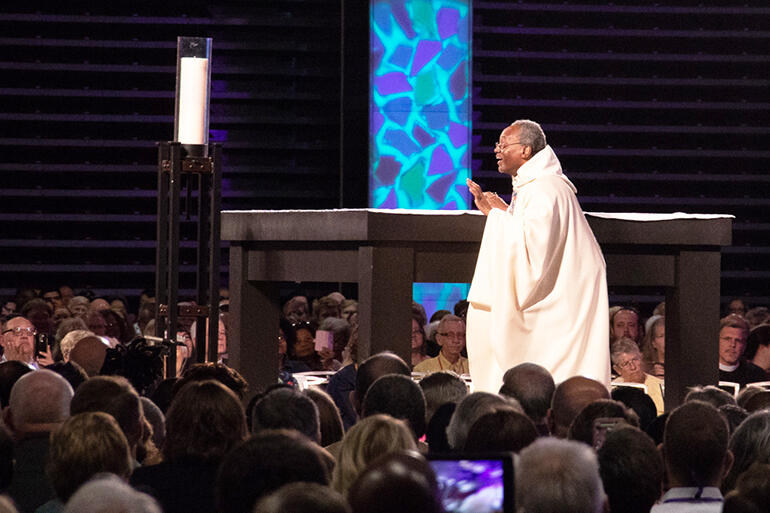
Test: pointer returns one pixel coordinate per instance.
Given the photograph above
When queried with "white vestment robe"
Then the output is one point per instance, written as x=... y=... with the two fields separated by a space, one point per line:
x=539 y=292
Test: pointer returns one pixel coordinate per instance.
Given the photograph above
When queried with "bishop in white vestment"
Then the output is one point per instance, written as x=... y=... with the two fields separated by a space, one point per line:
x=539 y=292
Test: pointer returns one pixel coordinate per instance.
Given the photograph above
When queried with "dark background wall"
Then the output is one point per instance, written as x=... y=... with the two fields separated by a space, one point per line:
x=650 y=108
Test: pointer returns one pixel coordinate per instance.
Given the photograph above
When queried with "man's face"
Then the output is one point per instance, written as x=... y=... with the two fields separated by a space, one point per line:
x=97 y=324
x=349 y=311
x=737 y=306
x=451 y=338
x=18 y=340
x=66 y=294
x=732 y=343
x=625 y=323
x=510 y=152
x=9 y=307
x=53 y=297
x=629 y=367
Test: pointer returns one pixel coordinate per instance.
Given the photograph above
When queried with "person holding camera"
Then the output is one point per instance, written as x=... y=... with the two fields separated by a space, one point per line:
x=18 y=341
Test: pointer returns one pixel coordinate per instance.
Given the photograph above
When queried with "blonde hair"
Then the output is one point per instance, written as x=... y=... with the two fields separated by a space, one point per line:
x=370 y=438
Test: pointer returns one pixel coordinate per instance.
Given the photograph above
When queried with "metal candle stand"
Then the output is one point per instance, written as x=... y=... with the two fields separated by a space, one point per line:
x=204 y=163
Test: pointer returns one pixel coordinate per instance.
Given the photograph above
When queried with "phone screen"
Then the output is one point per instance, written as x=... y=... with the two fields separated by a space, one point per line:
x=473 y=485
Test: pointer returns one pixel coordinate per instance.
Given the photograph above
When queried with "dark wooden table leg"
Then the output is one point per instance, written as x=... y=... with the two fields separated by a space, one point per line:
x=385 y=277
x=254 y=314
x=692 y=325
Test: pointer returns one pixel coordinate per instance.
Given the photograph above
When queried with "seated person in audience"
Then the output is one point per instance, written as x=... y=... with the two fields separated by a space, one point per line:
x=532 y=385
x=654 y=347
x=303 y=498
x=89 y=353
x=304 y=357
x=696 y=459
x=116 y=396
x=503 y=430
x=59 y=315
x=331 y=359
x=631 y=469
x=396 y=483
x=40 y=314
x=399 y=397
x=9 y=307
x=752 y=491
x=78 y=305
x=286 y=408
x=637 y=400
x=627 y=363
x=327 y=306
x=66 y=294
x=328 y=416
x=715 y=396
x=296 y=309
x=757 y=316
x=734 y=415
x=736 y=307
x=371 y=370
x=205 y=421
x=470 y=409
x=419 y=346
x=228 y=376
x=96 y=322
x=569 y=398
x=451 y=337
x=758 y=347
x=52 y=297
x=440 y=388
x=749 y=444
x=115 y=326
x=107 y=493
x=10 y=372
x=84 y=446
x=18 y=343
x=38 y=405
x=733 y=334
x=343 y=382
x=558 y=476
x=582 y=428
x=350 y=311
x=371 y=438
x=626 y=322
x=264 y=463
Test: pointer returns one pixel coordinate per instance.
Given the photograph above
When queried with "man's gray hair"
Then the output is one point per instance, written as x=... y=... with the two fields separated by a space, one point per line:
x=558 y=476
x=623 y=346
x=470 y=409
x=106 y=493
x=447 y=319
x=530 y=134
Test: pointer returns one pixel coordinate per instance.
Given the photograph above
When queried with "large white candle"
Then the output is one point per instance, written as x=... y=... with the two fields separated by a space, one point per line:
x=193 y=79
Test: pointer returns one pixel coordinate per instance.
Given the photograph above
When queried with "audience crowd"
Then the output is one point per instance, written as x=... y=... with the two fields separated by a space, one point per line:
x=91 y=422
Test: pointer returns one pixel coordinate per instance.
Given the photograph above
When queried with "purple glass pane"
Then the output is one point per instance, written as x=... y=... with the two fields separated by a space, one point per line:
x=446 y=20
x=426 y=50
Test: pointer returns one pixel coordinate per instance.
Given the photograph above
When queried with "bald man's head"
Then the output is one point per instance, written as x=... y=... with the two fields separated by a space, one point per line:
x=569 y=398
x=39 y=402
x=374 y=368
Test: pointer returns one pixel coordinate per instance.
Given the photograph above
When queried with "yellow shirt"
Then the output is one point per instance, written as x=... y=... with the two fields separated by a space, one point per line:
x=440 y=363
x=654 y=390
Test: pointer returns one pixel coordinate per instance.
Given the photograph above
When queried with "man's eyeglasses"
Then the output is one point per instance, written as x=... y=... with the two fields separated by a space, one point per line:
x=503 y=147
x=454 y=335
x=19 y=331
